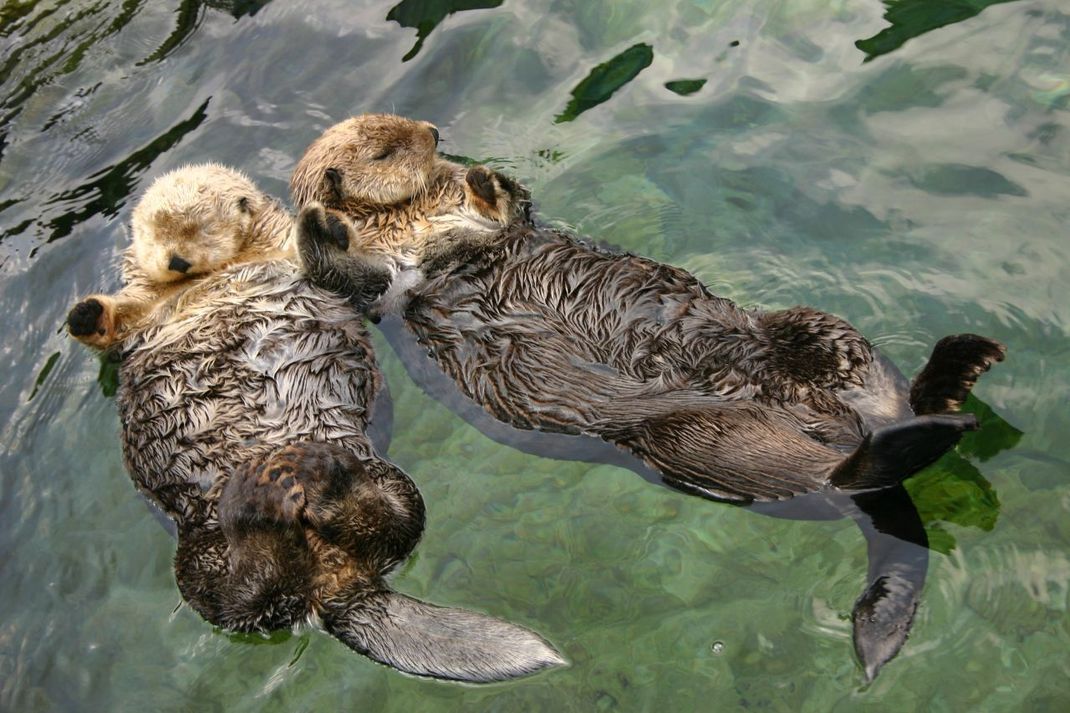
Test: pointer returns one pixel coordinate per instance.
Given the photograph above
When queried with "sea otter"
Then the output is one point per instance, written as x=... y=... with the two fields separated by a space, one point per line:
x=245 y=396
x=546 y=332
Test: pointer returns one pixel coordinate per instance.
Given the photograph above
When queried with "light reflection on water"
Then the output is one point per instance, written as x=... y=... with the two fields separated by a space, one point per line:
x=918 y=194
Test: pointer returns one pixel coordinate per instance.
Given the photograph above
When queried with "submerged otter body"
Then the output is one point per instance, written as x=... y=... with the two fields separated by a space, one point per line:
x=245 y=397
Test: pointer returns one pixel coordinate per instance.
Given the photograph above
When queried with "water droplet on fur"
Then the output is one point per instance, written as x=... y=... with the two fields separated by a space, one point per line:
x=718 y=647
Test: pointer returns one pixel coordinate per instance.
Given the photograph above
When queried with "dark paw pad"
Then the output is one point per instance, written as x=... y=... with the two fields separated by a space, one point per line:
x=84 y=318
x=324 y=228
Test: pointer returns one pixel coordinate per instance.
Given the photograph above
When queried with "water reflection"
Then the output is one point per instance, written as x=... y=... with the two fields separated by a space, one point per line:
x=110 y=186
x=424 y=16
x=189 y=16
x=913 y=18
x=605 y=79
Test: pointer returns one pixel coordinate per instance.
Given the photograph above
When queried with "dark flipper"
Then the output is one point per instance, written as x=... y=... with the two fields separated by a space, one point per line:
x=892 y=453
x=428 y=640
x=898 y=560
x=953 y=368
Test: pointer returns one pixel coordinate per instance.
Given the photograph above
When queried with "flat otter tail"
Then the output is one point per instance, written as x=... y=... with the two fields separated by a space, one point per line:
x=952 y=370
x=440 y=642
x=890 y=454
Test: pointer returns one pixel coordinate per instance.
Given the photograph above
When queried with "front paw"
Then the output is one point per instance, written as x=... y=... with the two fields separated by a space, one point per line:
x=92 y=321
x=85 y=318
x=322 y=227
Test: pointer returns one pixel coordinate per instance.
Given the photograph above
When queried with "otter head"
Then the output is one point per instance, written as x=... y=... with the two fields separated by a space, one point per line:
x=367 y=161
x=193 y=221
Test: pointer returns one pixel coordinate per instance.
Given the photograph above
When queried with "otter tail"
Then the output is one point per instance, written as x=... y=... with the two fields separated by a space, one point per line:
x=952 y=370
x=440 y=642
x=890 y=454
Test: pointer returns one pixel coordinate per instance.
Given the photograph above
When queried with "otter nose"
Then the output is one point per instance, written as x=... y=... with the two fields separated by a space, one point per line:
x=434 y=133
x=177 y=264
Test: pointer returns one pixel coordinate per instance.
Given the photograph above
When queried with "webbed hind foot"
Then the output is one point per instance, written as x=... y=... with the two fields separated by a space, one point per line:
x=893 y=453
x=266 y=491
x=956 y=363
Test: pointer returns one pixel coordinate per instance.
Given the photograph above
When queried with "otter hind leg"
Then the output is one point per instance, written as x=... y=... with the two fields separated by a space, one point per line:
x=956 y=363
x=365 y=506
x=892 y=453
x=253 y=570
x=735 y=451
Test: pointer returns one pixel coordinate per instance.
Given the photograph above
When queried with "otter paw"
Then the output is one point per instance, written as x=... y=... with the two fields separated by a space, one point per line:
x=324 y=227
x=85 y=319
x=268 y=492
x=481 y=180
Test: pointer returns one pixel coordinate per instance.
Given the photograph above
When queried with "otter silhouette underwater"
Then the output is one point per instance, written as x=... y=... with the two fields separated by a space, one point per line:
x=792 y=412
x=245 y=395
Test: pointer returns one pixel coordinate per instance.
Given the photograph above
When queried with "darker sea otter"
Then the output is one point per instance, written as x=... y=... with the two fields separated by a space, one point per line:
x=245 y=396
x=548 y=333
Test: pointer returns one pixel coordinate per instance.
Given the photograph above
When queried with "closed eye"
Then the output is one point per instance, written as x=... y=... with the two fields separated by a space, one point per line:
x=384 y=154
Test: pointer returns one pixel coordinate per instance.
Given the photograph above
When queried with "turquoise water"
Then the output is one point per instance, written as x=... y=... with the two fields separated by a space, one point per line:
x=912 y=177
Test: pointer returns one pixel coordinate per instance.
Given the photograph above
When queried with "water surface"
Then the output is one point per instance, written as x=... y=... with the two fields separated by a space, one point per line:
x=903 y=164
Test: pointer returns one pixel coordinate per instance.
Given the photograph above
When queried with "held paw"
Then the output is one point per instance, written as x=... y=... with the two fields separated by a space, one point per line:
x=322 y=227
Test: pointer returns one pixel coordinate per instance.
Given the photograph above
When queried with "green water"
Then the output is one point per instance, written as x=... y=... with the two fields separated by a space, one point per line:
x=913 y=178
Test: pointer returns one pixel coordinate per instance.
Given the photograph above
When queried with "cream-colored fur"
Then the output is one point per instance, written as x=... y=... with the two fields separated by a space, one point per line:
x=202 y=218
x=384 y=173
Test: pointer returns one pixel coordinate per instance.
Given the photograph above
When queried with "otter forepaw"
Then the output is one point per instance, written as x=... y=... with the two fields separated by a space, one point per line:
x=323 y=226
x=495 y=196
x=92 y=322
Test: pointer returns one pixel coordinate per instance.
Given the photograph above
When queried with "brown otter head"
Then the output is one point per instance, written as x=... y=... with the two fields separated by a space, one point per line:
x=367 y=161
x=383 y=171
x=193 y=221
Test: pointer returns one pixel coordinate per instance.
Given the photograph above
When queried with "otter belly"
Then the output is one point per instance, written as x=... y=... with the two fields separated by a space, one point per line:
x=250 y=360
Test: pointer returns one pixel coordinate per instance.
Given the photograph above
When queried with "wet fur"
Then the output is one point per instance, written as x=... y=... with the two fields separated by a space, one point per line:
x=245 y=397
x=547 y=332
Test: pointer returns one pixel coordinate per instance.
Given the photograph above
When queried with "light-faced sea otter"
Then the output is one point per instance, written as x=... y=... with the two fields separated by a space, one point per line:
x=245 y=396
x=549 y=333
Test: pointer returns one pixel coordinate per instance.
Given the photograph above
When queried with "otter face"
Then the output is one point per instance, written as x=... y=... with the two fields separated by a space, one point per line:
x=369 y=160
x=192 y=221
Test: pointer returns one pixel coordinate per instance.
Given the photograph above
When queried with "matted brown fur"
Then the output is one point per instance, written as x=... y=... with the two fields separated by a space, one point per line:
x=245 y=396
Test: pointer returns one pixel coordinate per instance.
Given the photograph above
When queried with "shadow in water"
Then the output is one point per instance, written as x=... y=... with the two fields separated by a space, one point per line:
x=190 y=14
x=913 y=18
x=605 y=79
x=425 y=15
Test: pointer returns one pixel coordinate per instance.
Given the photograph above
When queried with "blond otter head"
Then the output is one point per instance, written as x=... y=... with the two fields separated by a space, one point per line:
x=193 y=221
x=367 y=161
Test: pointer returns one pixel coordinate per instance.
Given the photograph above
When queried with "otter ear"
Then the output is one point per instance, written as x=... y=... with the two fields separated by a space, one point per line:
x=243 y=205
x=333 y=179
x=440 y=642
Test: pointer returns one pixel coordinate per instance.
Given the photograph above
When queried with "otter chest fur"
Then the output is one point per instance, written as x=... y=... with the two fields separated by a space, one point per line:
x=251 y=359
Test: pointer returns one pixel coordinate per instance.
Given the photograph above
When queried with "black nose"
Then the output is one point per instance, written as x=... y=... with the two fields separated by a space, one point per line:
x=434 y=132
x=177 y=264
